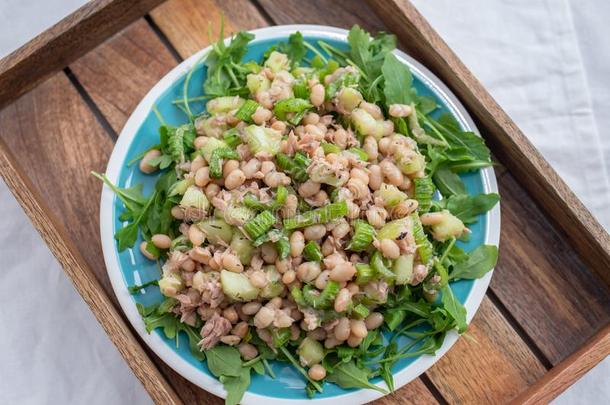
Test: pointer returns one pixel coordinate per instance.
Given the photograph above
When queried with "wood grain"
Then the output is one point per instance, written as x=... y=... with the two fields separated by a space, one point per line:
x=511 y=146
x=568 y=371
x=64 y=42
x=489 y=365
x=541 y=280
x=118 y=73
x=186 y=23
x=77 y=268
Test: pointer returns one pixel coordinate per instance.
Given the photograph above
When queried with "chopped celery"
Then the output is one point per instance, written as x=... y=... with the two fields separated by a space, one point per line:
x=295 y=171
x=312 y=252
x=320 y=215
x=261 y=139
x=310 y=352
x=324 y=299
x=424 y=189
x=210 y=146
x=330 y=148
x=180 y=187
x=394 y=229
x=260 y=224
x=403 y=268
x=359 y=153
x=257 y=82
x=361 y=311
x=237 y=286
x=363 y=236
x=301 y=90
x=297 y=295
x=381 y=269
x=424 y=247
x=365 y=124
x=279 y=237
x=232 y=138
x=238 y=214
x=194 y=198
x=216 y=159
x=224 y=104
x=216 y=230
x=296 y=106
x=364 y=273
x=246 y=110
x=390 y=195
x=280 y=197
x=277 y=61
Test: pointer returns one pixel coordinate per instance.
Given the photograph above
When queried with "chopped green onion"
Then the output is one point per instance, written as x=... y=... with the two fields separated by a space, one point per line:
x=301 y=90
x=321 y=215
x=361 y=311
x=325 y=299
x=312 y=252
x=246 y=110
x=330 y=148
x=364 y=273
x=216 y=158
x=424 y=189
x=298 y=297
x=250 y=200
x=363 y=236
x=381 y=268
x=298 y=106
x=424 y=247
x=289 y=166
x=136 y=288
x=260 y=224
x=282 y=244
x=302 y=159
x=232 y=138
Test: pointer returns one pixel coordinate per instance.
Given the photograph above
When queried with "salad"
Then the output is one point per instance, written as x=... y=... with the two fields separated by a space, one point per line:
x=309 y=215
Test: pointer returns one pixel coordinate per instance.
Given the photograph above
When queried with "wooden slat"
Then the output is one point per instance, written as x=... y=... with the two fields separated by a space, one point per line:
x=542 y=281
x=527 y=236
x=118 y=73
x=511 y=146
x=40 y=117
x=490 y=365
x=65 y=41
x=186 y=23
x=568 y=371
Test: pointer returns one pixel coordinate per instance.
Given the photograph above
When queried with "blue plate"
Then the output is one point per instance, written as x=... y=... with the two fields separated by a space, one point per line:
x=130 y=267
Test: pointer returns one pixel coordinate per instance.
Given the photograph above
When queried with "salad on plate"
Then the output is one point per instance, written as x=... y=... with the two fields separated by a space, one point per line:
x=309 y=215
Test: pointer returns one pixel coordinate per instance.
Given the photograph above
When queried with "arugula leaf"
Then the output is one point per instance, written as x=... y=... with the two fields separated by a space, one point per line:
x=348 y=375
x=136 y=288
x=480 y=261
x=454 y=308
x=398 y=81
x=467 y=207
x=448 y=183
x=236 y=386
x=127 y=236
x=131 y=197
x=224 y=360
x=294 y=48
x=452 y=132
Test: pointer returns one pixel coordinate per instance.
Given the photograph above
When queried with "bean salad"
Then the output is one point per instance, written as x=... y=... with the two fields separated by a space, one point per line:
x=311 y=214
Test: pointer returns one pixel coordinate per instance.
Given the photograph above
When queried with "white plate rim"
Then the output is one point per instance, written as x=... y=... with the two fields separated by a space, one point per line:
x=160 y=347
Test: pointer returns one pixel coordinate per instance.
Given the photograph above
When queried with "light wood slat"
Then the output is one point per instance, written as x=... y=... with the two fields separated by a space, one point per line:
x=65 y=41
x=489 y=365
x=568 y=280
x=118 y=73
x=568 y=371
x=542 y=281
x=45 y=217
x=508 y=142
x=186 y=23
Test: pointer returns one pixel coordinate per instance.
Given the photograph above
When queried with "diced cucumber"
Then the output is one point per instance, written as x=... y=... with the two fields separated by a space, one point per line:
x=275 y=286
x=216 y=230
x=237 y=286
x=403 y=268
x=310 y=352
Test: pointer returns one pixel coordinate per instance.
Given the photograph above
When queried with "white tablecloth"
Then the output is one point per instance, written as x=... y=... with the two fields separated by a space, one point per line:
x=546 y=61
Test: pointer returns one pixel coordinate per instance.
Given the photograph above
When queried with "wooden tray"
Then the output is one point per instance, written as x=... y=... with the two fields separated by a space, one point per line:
x=545 y=319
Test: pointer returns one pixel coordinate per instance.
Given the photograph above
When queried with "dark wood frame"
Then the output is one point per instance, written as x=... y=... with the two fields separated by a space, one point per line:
x=100 y=19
